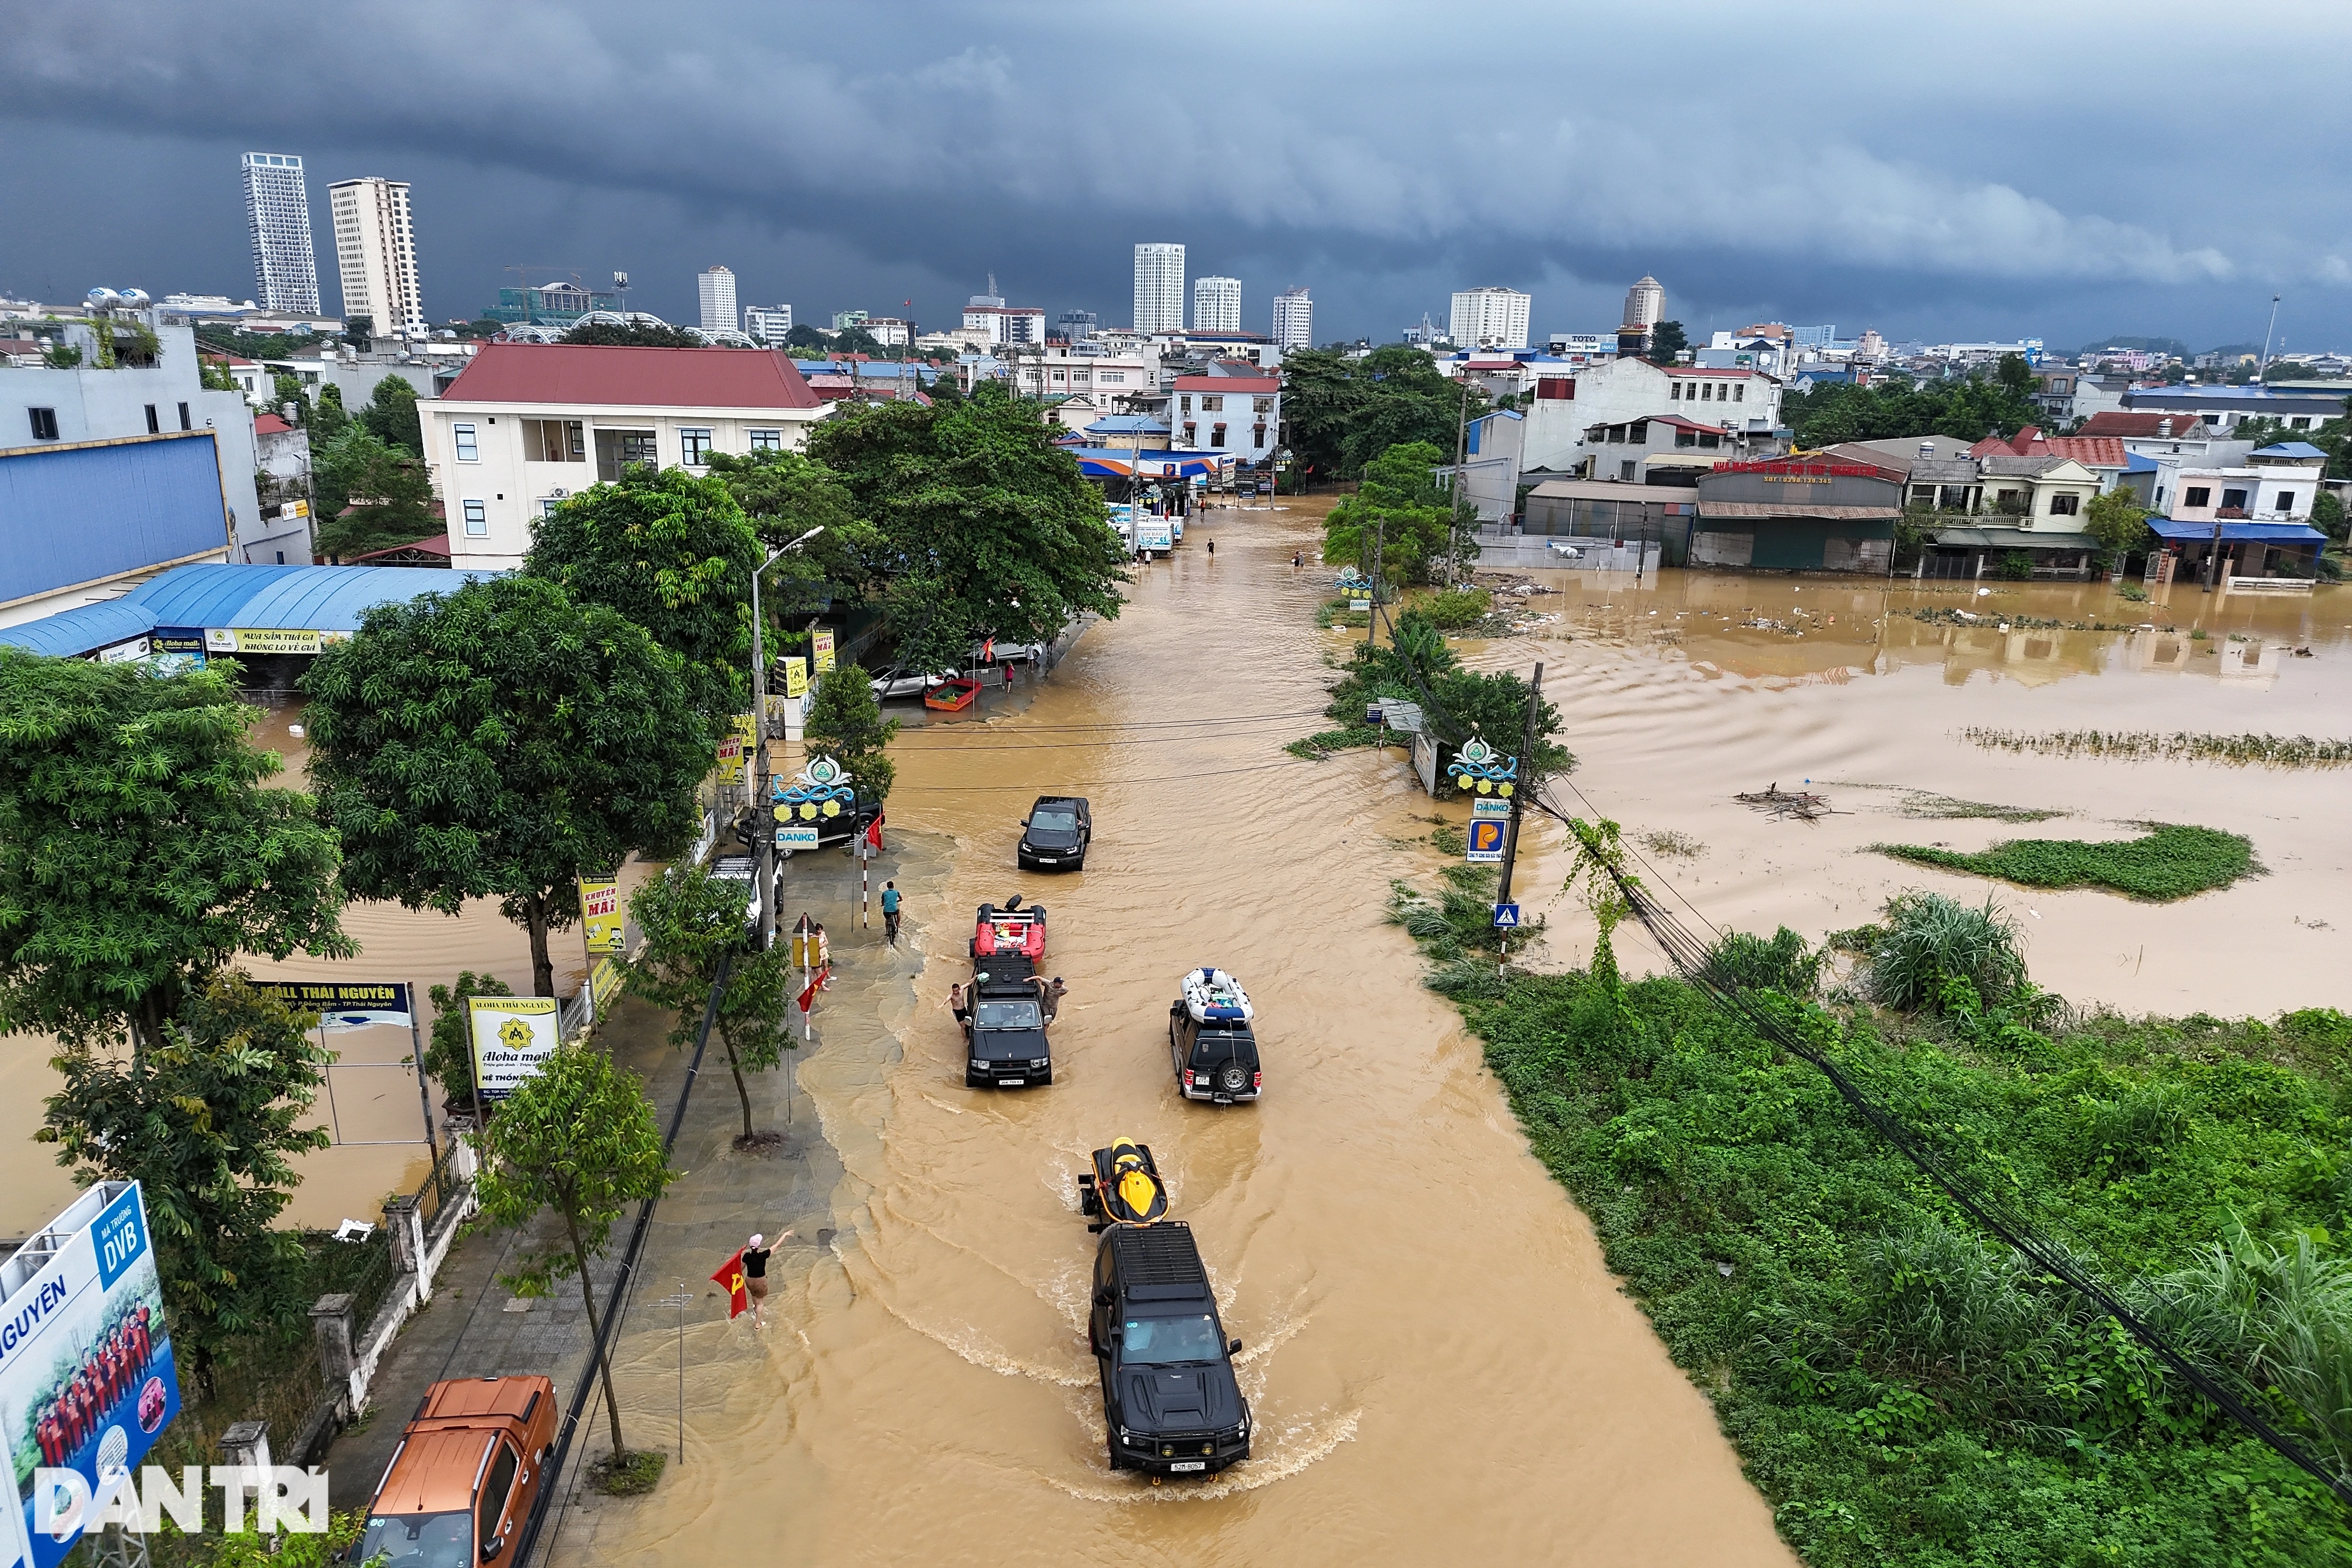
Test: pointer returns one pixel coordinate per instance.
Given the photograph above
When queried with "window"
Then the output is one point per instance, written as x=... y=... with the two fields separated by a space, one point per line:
x=185 y=423
x=548 y=504
x=1625 y=469
x=1706 y=393
x=1161 y=1342
x=1674 y=391
x=1060 y=376
x=1107 y=376
x=154 y=425
x=477 y=519
x=1213 y=402
x=2066 y=504
x=468 y=452
x=767 y=440
x=1710 y=439
x=2285 y=501
x=2300 y=422
x=494 y=1487
x=1556 y=388
x=620 y=449
x=1187 y=401
x=694 y=446
x=554 y=441
x=2233 y=500
x=2197 y=495
x=1217 y=435
x=1191 y=432
x=1740 y=393
x=1261 y=406
x=1685 y=439
x=44 y=424
x=1257 y=436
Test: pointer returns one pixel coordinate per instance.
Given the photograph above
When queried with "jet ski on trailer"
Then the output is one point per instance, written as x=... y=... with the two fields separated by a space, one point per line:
x=1212 y=996
x=1124 y=1187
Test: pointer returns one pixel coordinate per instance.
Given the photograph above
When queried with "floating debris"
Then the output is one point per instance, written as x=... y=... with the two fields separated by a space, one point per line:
x=1942 y=615
x=1778 y=802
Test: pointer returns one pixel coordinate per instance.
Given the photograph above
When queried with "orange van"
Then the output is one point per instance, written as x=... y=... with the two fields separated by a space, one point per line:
x=465 y=1476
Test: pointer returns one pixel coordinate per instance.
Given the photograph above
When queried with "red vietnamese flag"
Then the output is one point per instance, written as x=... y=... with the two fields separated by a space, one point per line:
x=874 y=834
x=730 y=1275
x=808 y=997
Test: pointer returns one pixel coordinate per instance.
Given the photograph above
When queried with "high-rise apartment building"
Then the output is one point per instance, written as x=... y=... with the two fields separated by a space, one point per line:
x=1294 y=319
x=1489 y=318
x=278 y=210
x=1646 y=303
x=718 y=314
x=768 y=323
x=1216 y=304
x=1159 y=288
x=375 y=252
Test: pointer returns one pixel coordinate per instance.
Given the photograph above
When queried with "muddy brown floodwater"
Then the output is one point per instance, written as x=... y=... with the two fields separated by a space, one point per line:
x=1441 y=1368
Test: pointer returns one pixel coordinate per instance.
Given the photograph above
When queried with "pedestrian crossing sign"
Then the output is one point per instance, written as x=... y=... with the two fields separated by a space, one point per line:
x=1507 y=917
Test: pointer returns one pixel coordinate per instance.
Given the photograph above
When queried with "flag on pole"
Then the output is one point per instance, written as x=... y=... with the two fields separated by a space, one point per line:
x=874 y=834
x=729 y=1275
x=818 y=982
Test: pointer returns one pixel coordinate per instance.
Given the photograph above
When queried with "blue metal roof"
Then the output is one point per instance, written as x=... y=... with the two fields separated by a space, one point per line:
x=84 y=513
x=2250 y=532
x=1146 y=423
x=312 y=599
x=2290 y=450
x=2136 y=463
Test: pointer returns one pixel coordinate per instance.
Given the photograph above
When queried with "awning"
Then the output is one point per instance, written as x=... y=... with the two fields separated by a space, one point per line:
x=1126 y=462
x=2012 y=539
x=1765 y=510
x=2236 y=532
x=236 y=598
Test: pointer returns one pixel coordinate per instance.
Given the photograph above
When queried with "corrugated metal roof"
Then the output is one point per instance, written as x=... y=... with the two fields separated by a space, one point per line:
x=631 y=377
x=1766 y=510
x=83 y=629
x=2252 y=533
x=312 y=599
x=2012 y=539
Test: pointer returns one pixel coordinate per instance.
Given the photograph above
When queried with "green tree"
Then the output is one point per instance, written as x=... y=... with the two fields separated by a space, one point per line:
x=449 y=1050
x=141 y=848
x=370 y=495
x=674 y=552
x=805 y=337
x=329 y=418
x=1667 y=339
x=208 y=1120
x=634 y=334
x=785 y=495
x=1341 y=413
x=359 y=331
x=988 y=527
x=2118 y=520
x=2327 y=514
x=285 y=389
x=1400 y=508
x=392 y=418
x=578 y=1138
x=692 y=921
x=845 y=723
x=502 y=741
x=2015 y=376
x=1967 y=408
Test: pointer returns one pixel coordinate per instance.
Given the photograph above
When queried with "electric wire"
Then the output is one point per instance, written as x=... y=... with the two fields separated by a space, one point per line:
x=1101 y=783
x=1696 y=960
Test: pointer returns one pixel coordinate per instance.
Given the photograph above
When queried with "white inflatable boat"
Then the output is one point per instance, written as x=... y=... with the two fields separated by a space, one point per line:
x=1212 y=995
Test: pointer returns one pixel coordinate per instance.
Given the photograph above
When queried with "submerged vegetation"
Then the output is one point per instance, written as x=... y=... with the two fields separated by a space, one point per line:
x=2169 y=861
x=1903 y=1389
x=2150 y=745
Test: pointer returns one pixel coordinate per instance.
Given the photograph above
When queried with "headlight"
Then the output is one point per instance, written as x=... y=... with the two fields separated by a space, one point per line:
x=1041 y=1062
x=979 y=1066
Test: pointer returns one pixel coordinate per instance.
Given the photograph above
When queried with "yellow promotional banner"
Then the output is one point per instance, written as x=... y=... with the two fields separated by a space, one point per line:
x=259 y=639
x=795 y=676
x=821 y=647
x=604 y=983
x=730 y=760
x=600 y=914
x=513 y=1037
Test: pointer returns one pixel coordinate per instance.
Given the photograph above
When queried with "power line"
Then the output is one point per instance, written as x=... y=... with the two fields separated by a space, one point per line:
x=1101 y=783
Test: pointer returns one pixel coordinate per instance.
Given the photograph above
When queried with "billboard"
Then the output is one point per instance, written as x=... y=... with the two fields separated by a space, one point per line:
x=600 y=914
x=821 y=650
x=344 y=1003
x=512 y=1036
x=87 y=1381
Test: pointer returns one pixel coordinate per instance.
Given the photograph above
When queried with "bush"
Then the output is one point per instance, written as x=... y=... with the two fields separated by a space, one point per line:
x=1929 y=939
x=1454 y=608
x=2016 y=566
x=1782 y=963
x=450 y=1057
x=2170 y=862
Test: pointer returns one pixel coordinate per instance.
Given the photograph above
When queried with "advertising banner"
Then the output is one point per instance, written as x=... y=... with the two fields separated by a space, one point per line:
x=512 y=1036
x=175 y=648
x=796 y=680
x=730 y=760
x=604 y=983
x=253 y=639
x=344 y=1003
x=87 y=1381
x=821 y=649
x=600 y=914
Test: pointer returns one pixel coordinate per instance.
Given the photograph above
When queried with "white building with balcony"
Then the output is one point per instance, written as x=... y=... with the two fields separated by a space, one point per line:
x=1490 y=318
x=1216 y=304
x=528 y=424
x=1238 y=413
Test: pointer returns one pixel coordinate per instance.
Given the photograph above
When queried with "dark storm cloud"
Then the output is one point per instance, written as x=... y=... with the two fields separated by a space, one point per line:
x=1977 y=172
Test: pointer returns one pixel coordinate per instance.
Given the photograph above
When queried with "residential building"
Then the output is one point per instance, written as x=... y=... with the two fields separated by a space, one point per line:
x=2104 y=455
x=1110 y=382
x=1490 y=318
x=890 y=332
x=1234 y=409
x=1646 y=303
x=1490 y=464
x=2273 y=484
x=1294 y=319
x=1216 y=304
x=281 y=476
x=1799 y=513
x=1620 y=391
x=277 y=211
x=87 y=406
x=1137 y=432
x=1669 y=449
x=2053 y=391
x=1732 y=351
x=526 y=425
x=2223 y=406
x=1159 y=288
x=1000 y=324
x=768 y=323
x=375 y=254
x=845 y=319
x=1075 y=327
x=1815 y=338
x=717 y=290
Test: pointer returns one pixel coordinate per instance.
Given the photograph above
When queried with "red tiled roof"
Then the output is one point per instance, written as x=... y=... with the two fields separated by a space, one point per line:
x=1240 y=383
x=2140 y=425
x=2092 y=451
x=631 y=377
x=269 y=424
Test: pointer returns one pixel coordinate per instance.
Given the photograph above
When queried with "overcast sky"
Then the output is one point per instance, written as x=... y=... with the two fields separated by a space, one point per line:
x=1992 y=170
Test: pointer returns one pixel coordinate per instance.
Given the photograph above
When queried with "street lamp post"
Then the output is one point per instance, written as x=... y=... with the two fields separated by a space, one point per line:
x=764 y=846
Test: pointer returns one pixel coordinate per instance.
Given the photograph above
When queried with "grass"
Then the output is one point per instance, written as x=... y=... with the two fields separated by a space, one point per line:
x=1457 y=609
x=1335 y=613
x=1450 y=841
x=632 y=1474
x=1681 y=845
x=1943 y=808
x=2150 y=745
x=2169 y=862
x=1904 y=1392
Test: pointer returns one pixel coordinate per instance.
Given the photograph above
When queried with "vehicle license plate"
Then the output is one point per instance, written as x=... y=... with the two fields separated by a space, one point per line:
x=1190 y=1465
x=1011 y=1082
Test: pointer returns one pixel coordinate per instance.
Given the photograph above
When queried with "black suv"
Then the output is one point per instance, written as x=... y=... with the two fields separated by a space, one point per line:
x=1056 y=833
x=1170 y=1397
x=1008 y=1047
x=1215 y=1060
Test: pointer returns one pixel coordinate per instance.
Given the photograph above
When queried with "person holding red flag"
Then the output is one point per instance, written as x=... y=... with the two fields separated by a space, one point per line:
x=744 y=1277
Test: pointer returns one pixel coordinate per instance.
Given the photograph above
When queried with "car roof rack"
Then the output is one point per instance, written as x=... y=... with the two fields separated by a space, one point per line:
x=1159 y=1255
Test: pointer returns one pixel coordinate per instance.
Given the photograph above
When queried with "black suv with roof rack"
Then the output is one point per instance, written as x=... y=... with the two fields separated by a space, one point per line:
x=1170 y=1397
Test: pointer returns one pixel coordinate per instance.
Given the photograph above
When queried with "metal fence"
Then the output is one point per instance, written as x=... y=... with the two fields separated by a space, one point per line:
x=439 y=1187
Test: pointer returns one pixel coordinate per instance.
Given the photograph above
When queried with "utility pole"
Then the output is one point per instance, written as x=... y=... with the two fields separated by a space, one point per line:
x=1379 y=553
x=1519 y=790
x=2264 y=363
x=1461 y=459
x=763 y=820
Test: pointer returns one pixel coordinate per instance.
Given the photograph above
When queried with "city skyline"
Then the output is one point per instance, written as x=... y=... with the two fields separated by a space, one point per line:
x=1881 y=220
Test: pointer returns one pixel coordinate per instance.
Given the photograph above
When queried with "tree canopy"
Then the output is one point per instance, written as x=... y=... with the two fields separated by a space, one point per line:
x=391 y=415
x=1400 y=506
x=1667 y=339
x=692 y=921
x=634 y=335
x=1341 y=413
x=370 y=495
x=2118 y=520
x=786 y=494
x=674 y=552
x=845 y=722
x=1968 y=409
x=500 y=740
x=141 y=850
x=987 y=528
